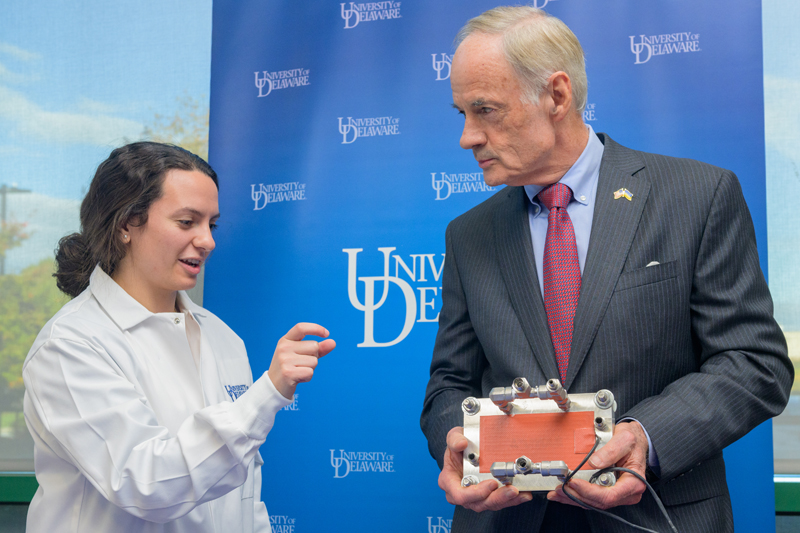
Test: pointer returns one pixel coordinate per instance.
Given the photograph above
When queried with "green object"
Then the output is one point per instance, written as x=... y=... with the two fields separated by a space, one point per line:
x=787 y=495
x=17 y=488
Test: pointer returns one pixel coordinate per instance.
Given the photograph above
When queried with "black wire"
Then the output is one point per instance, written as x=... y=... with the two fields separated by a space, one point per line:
x=614 y=469
x=643 y=480
x=586 y=505
x=596 y=442
x=606 y=513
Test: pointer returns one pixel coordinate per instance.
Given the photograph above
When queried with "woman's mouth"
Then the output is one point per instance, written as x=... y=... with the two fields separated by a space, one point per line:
x=193 y=265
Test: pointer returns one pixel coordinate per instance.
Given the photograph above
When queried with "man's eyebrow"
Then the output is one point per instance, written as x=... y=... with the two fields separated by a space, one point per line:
x=480 y=102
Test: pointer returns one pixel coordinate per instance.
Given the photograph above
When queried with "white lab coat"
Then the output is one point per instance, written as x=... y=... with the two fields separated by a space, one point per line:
x=129 y=435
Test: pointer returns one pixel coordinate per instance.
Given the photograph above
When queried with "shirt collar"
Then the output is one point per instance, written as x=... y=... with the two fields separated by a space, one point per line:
x=123 y=308
x=580 y=177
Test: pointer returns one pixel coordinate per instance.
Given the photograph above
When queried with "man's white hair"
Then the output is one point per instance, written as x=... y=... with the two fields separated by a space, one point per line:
x=536 y=45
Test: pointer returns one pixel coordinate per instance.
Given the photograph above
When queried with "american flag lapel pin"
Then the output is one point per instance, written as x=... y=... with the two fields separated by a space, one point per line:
x=623 y=193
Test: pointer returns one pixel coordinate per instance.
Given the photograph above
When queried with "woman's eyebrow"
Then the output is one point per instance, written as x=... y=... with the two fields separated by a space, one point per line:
x=191 y=211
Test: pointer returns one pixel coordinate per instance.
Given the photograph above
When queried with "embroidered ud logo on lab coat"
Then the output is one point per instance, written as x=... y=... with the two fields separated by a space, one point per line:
x=234 y=391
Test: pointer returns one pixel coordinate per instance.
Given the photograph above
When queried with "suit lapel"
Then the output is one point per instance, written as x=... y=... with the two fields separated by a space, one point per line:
x=614 y=226
x=515 y=257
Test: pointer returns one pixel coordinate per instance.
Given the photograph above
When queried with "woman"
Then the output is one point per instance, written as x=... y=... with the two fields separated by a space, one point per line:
x=141 y=404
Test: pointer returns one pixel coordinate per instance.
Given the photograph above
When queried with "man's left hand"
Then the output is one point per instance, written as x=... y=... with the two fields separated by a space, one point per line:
x=628 y=449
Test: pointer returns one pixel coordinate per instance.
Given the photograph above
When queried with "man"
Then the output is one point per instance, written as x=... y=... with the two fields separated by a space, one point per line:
x=634 y=272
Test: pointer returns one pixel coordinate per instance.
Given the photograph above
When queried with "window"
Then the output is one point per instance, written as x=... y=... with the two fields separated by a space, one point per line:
x=75 y=82
x=782 y=123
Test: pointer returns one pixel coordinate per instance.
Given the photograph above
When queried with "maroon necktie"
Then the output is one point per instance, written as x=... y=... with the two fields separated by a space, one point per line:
x=562 y=273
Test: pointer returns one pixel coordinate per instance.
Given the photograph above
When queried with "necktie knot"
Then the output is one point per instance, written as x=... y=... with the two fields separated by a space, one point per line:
x=555 y=195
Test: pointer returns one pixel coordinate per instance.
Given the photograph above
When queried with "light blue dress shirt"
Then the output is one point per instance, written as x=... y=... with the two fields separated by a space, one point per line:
x=582 y=179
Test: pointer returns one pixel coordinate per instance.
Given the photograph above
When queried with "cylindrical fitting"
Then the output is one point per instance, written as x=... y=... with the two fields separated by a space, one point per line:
x=471 y=406
x=501 y=396
x=558 y=394
x=553 y=468
x=503 y=470
x=600 y=424
x=473 y=459
x=523 y=465
x=606 y=480
x=521 y=387
x=604 y=399
x=468 y=481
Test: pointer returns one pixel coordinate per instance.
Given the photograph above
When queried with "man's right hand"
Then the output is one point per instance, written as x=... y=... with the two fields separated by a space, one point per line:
x=489 y=495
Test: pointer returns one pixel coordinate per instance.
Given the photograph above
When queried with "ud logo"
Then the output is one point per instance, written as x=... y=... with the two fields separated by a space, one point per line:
x=638 y=48
x=458 y=183
x=281 y=79
x=421 y=300
x=349 y=462
x=370 y=305
x=350 y=17
x=338 y=462
x=276 y=192
x=345 y=128
x=263 y=82
x=234 y=391
x=442 y=67
x=440 y=526
x=358 y=128
x=439 y=185
x=257 y=195
x=664 y=44
x=369 y=12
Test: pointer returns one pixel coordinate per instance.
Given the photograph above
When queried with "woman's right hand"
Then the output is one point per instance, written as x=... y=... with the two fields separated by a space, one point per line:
x=295 y=359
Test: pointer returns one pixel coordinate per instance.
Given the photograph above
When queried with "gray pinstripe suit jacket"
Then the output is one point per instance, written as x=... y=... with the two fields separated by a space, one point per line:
x=689 y=347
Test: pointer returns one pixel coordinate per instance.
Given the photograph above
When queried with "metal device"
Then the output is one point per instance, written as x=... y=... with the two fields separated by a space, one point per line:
x=532 y=437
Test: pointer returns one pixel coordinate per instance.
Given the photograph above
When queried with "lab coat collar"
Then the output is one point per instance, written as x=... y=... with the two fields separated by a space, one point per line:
x=186 y=303
x=123 y=309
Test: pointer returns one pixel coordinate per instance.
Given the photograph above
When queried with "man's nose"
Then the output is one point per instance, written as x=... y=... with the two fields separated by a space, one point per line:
x=472 y=136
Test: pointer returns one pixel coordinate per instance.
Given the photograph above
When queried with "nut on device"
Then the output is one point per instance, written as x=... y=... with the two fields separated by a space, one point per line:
x=533 y=437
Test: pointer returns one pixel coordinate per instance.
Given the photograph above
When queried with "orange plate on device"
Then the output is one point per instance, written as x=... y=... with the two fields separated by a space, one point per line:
x=564 y=437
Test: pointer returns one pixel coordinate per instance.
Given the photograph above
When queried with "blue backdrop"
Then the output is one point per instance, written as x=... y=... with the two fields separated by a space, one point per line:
x=337 y=149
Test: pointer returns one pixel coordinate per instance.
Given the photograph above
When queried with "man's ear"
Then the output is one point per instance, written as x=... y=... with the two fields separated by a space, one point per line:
x=559 y=87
